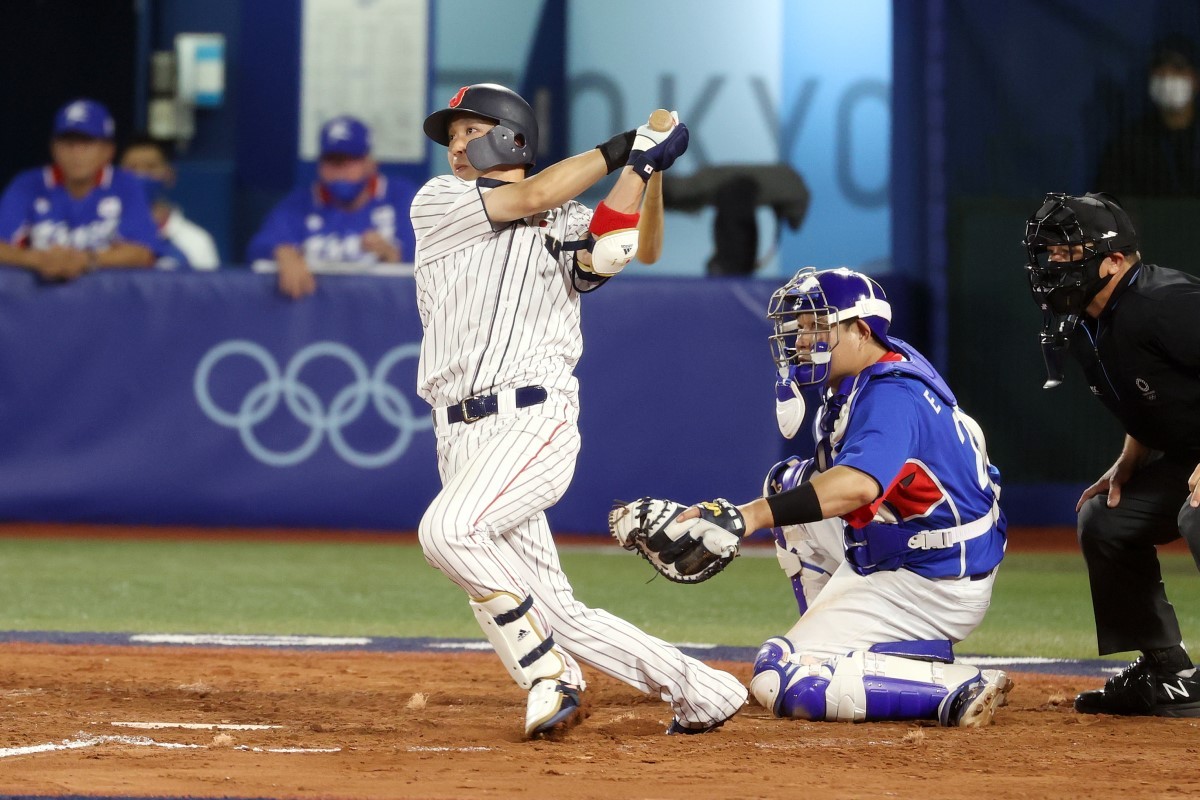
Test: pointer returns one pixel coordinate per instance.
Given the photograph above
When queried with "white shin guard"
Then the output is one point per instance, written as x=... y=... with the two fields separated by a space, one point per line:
x=874 y=686
x=859 y=686
x=508 y=624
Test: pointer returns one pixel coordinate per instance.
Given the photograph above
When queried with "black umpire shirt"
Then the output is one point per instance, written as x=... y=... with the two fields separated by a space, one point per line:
x=1142 y=359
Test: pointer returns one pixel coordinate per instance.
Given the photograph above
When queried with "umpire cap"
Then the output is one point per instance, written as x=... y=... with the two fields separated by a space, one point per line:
x=514 y=140
x=1095 y=218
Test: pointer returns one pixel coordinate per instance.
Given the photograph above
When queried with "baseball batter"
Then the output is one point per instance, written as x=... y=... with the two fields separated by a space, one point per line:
x=892 y=534
x=501 y=261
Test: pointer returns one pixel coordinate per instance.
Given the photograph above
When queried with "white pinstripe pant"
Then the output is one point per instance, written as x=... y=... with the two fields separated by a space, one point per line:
x=487 y=531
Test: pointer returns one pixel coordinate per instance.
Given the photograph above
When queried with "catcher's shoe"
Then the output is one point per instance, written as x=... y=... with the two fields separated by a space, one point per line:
x=553 y=709
x=1141 y=690
x=974 y=704
x=1005 y=682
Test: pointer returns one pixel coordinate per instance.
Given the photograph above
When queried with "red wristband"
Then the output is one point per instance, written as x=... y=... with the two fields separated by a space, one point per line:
x=605 y=220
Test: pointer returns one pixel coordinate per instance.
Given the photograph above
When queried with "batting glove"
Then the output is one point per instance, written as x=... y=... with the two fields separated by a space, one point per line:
x=647 y=137
x=661 y=155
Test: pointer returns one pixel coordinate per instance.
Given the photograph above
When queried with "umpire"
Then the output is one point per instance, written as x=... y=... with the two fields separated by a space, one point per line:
x=1134 y=329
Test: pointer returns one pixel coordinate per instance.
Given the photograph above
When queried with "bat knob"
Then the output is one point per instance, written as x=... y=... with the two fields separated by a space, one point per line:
x=661 y=120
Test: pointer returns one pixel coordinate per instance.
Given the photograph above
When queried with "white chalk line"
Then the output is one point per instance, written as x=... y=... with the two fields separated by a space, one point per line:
x=248 y=640
x=89 y=740
x=488 y=646
x=92 y=741
x=997 y=661
x=194 y=726
x=421 y=749
x=288 y=749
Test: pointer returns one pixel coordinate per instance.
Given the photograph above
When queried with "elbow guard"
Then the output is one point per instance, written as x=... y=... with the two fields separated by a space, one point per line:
x=616 y=241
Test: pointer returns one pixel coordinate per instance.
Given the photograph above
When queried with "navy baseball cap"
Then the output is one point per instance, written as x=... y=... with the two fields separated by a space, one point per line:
x=84 y=117
x=345 y=136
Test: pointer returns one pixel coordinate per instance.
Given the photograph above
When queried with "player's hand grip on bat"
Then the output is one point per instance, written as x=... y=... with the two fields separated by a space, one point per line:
x=655 y=131
x=654 y=149
x=616 y=227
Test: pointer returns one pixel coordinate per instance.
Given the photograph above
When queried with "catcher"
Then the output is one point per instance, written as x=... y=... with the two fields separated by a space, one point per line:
x=892 y=534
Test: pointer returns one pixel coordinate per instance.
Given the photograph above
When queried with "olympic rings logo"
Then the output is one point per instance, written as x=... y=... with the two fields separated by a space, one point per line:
x=306 y=405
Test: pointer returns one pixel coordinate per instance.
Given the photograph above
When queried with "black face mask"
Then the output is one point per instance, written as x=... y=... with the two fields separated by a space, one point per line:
x=1063 y=291
x=1066 y=288
x=1094 y=226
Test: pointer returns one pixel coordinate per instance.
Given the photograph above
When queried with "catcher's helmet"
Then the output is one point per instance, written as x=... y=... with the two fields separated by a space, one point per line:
x=1097 y=225
x=513 y=141
x=828 y=297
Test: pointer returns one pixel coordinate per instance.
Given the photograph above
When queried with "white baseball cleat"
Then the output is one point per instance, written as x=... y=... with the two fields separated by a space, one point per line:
x=999 y=677
x=975 y=704
x=553 y=708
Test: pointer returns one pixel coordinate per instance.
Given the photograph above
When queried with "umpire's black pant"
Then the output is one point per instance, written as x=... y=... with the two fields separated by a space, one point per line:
x=1128 y=596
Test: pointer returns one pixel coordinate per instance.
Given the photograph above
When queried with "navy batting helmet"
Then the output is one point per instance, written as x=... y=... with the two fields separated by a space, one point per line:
x=826 y=298
x=513 y=141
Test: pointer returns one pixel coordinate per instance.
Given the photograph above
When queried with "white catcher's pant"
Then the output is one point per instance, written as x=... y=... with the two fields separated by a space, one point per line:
x=853 y=612
x=487 y=531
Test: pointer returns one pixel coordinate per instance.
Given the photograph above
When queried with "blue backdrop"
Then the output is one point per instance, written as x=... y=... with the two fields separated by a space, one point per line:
x=163 y=398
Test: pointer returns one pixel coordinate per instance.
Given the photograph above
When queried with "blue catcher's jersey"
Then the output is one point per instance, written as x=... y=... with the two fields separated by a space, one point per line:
x=327 y=232
x=939 y=513
x=37 y=211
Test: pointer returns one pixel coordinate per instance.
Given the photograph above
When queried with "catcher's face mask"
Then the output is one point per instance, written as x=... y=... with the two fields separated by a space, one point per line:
x=805 y=334
x=806 y=312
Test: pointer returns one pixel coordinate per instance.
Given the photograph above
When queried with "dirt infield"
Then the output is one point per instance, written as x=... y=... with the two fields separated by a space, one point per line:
x=404 y=725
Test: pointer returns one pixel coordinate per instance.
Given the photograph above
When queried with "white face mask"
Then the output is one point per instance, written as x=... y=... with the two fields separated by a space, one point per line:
x=1171 y=92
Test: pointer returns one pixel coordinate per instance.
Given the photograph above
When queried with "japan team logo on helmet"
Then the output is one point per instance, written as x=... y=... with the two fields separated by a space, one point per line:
x=512 y=142
x=806 y=312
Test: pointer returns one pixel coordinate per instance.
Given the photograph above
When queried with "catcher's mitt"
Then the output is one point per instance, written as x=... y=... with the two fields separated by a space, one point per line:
x=685 y=552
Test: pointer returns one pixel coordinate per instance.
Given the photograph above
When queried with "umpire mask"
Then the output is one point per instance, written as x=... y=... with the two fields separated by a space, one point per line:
x=1066 y=241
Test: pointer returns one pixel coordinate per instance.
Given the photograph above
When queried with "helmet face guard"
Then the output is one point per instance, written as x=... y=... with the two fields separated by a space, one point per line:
x=1066 y=241
x=512 y=142
x=806 y=312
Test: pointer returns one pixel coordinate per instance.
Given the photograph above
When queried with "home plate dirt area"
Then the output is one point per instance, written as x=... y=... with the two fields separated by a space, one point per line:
x=129 y=721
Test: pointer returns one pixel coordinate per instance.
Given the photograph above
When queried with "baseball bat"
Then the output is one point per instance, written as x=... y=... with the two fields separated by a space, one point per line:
x=661 y=120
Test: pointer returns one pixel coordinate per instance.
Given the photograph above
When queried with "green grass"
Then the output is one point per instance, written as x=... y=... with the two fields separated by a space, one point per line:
x=1040 y=607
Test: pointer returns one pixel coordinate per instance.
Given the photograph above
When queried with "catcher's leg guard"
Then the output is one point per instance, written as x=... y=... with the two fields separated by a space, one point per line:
x=528 y=653
x=865 y=686
x=772 y=670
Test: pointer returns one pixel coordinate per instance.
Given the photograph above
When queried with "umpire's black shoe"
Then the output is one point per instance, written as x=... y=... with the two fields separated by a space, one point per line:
x=1140 y=690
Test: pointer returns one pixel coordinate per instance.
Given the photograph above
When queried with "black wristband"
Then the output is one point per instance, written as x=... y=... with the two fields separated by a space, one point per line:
x=796 y=506
x=616 y=150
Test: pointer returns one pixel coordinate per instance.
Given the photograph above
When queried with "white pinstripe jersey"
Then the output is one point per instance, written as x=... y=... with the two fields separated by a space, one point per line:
x=498 y=310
